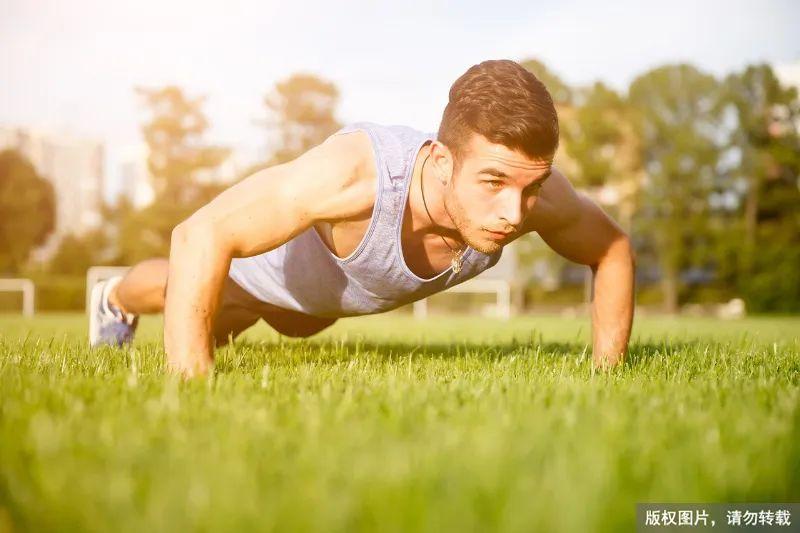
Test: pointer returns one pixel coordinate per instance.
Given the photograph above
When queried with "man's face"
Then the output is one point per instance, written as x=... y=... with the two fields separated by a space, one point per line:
x=492 y=192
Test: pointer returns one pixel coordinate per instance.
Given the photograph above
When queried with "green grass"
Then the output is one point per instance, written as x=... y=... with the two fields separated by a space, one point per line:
x=384 y=423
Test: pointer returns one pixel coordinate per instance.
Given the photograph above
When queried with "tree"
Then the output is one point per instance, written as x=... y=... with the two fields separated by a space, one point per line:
x=182 y=167
x=677 y=114
x=27 y=210
x=765 y=147
x=76 y=253
x=601 y=139
x=174 y=137
x=302 y=110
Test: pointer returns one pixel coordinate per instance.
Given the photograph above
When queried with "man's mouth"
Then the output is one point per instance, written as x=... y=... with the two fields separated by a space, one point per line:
x=498 y=235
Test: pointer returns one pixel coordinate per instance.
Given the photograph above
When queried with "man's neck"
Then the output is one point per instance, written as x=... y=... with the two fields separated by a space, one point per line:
x=435 y=220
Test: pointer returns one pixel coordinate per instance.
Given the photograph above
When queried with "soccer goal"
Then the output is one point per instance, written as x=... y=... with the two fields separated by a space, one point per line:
x=501 y=288
x=99 y=273
x=28 y=292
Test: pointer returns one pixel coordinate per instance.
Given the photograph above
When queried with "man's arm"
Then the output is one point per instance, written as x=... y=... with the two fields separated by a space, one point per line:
x=576 y=228
x=330 y=182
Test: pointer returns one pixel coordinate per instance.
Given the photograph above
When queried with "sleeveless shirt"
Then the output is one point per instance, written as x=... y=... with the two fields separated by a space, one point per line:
x=304 y=275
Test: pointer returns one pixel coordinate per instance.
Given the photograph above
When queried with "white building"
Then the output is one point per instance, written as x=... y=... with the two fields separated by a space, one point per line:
x=75 y=168
x=135 y=182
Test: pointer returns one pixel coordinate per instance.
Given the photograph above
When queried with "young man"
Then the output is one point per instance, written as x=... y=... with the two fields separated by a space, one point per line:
x=373 y=218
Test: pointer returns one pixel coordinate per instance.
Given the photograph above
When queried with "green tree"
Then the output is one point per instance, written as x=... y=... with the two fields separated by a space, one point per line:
x=27 y=210
x=765 y=146
x=601 y=139
x=302 y=111
x=76 y=253
x=174 y=135
x=678 y=118
x=182 y=166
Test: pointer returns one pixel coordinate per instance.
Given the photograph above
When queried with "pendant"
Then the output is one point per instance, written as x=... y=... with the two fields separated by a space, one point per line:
x=455 y=263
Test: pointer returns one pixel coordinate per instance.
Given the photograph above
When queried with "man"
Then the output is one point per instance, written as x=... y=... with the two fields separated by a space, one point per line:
x=373 y=218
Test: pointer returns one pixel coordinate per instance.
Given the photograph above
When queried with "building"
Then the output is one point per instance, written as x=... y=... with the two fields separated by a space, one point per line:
x=75 y=168
x=135 y=183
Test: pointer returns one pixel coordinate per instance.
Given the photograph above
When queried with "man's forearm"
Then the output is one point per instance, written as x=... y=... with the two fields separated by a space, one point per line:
x=612 y=305
x=197 y=270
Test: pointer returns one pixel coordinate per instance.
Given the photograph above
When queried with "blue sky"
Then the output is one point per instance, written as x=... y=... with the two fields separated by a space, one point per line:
x=73 y=65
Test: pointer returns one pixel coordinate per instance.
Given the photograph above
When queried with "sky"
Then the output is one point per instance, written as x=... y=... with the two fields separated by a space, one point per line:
x=73 y=65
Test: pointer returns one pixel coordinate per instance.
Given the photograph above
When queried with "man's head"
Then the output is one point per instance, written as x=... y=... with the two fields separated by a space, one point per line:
x=495 y=146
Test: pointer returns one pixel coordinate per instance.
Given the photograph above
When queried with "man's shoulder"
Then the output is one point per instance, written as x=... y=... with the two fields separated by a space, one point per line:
x=371 y=147
x=350 y=149
x=351 y=152
x=366 y=149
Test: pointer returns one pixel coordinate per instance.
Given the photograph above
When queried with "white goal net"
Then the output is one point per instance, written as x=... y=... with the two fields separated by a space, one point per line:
x=496 y=281
x=22 y=285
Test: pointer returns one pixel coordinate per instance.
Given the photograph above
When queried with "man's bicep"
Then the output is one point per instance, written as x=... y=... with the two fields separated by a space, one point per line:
x=275 y=204
x=572 y=224
x=586 y=236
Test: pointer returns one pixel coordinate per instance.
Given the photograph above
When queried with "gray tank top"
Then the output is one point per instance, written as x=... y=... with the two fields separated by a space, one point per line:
x=304 y=275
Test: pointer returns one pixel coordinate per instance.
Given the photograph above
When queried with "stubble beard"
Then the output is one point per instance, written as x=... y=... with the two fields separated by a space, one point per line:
x=461 y=221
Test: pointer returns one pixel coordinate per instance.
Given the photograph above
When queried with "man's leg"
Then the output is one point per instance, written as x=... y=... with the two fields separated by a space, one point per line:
x=295 y=324
x=239 y=310
x=116 y=303
x=234 y=314
x=142 y=290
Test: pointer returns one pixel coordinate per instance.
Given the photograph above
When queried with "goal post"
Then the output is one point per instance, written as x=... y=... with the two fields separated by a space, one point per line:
x=99 y=273
x=27 y=288
x=500 y=287
x=499 y=280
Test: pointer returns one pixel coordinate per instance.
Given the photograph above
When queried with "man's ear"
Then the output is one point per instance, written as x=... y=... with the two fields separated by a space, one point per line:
x=443 y=162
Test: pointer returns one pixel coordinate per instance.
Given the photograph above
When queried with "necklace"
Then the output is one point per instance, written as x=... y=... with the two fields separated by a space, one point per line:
x=458 y=255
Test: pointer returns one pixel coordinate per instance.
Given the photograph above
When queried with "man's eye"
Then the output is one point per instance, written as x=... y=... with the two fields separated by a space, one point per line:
x=495 y=184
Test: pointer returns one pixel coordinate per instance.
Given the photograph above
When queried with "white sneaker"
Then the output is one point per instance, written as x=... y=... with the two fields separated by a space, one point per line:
x=107 y=324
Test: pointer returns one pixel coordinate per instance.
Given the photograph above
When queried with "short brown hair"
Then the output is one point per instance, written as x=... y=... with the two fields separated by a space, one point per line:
x=505 y=103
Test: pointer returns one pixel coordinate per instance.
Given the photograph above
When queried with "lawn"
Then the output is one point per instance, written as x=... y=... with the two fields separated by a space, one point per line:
x=386 y=423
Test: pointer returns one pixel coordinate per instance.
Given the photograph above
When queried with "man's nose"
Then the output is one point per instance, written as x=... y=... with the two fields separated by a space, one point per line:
x=513 y=210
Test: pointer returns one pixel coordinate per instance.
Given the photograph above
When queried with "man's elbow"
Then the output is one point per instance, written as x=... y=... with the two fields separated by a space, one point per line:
x=184 y=234
x=195 y=234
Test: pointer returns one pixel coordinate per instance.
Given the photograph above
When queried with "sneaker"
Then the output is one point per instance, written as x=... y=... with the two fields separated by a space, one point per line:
x=108 y=324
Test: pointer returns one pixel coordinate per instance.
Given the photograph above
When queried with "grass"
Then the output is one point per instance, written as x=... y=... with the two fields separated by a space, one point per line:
x=384 y=423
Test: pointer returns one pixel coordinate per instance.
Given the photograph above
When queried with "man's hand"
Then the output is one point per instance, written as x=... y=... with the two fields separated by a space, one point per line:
x=577 y=229
x=613 y=303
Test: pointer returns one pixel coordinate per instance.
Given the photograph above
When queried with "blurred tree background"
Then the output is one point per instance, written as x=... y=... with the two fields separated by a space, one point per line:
x=27 y=210
x=703 y=172
x=302 y=111
x=762 y=253
x=182 y=167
